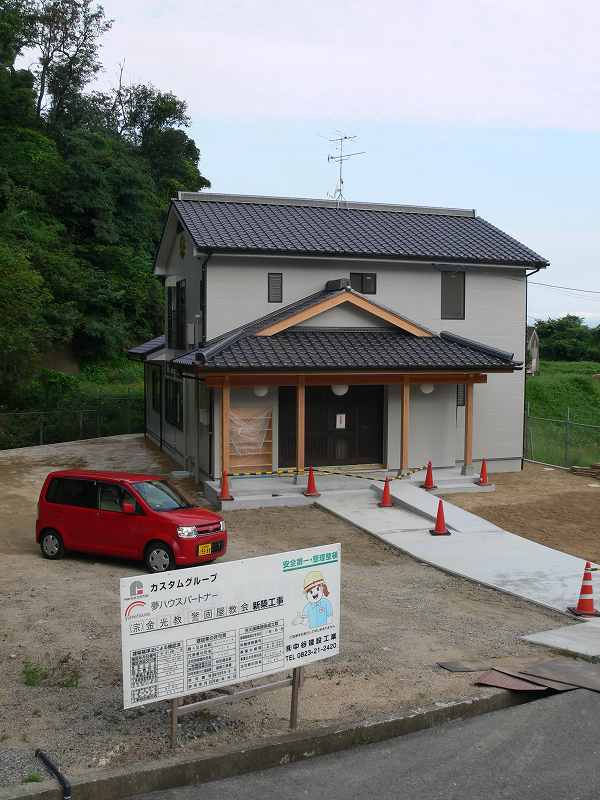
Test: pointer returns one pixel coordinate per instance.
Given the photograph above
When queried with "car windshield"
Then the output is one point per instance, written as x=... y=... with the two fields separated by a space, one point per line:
x=160 y=496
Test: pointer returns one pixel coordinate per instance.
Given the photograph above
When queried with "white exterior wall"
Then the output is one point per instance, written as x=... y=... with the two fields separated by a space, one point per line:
x=494 y=314
x=433 y=431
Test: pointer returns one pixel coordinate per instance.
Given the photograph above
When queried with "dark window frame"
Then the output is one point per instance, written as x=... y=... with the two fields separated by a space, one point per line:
x=176 y=316
x=271 y=289
x=156 y=383
x=452 y=307
x=180 y=305
x=174 y=402
x=358 y=281
x=461 y=393
x=171 y=294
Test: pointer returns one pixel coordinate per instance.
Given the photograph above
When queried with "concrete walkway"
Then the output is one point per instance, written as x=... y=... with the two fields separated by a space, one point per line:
x=477 y=549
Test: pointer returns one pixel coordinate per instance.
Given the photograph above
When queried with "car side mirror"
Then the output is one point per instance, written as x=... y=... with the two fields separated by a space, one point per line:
x=127 y=508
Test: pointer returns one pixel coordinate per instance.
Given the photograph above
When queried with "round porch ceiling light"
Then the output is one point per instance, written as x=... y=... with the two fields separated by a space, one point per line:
x=339 y=389
x=260 y=391
x=427 y=388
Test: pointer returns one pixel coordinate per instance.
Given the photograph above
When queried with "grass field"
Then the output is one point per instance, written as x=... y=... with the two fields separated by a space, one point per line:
x=562 y=385
x=559 y=389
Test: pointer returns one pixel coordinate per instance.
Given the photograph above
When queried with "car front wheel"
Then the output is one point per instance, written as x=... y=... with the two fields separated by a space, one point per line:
x=159 y=558
x=52 y=545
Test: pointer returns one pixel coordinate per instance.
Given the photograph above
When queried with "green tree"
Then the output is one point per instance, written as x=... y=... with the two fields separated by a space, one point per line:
x=84 y=183
x=22 y=298
x=568 y=339
x=66 y=37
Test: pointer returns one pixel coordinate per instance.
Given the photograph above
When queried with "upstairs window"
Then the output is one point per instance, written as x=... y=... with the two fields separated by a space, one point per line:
x=180 y=342
x=460 y=394
x=453 y=295
x=176 y=316
x=171 y=316
x=275 y=287
x=364 y=282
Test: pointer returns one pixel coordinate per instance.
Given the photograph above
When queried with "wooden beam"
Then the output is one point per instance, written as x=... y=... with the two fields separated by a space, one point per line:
x=351 y=378
x=405 y=434
x=353 y=299
x=300 y=426
x=468 y=454
x=225 y=415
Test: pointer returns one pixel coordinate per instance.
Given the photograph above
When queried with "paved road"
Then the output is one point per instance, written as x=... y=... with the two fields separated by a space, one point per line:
x=545 y=750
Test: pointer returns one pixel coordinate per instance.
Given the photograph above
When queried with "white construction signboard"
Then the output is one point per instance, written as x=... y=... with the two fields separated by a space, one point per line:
x=192 y=630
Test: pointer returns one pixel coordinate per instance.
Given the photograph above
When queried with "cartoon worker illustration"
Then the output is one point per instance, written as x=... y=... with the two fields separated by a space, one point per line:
x=318 y=610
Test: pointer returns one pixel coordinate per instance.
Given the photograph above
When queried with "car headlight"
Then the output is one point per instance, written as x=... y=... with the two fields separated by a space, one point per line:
x=222 y=525
x=187 y=531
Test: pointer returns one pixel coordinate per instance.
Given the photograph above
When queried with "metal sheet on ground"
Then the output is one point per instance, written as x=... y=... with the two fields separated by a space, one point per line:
x=578 y=673
x=556 y=685
x=502 y=681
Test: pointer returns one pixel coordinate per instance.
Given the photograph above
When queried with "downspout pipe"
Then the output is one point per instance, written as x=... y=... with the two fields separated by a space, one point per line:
x=55 y=772
x=527 y=275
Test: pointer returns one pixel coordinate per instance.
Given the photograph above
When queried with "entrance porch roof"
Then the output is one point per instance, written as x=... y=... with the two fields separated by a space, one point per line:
x=277 y=343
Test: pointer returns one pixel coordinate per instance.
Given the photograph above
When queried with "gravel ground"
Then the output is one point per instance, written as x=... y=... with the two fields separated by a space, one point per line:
x=59 y=628
x=548 y=505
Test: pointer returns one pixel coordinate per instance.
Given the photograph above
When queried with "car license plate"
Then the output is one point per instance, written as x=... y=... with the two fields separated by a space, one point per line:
x=205 y=549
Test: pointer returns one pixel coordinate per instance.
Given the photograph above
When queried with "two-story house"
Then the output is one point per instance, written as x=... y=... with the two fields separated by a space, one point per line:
x=301 y=333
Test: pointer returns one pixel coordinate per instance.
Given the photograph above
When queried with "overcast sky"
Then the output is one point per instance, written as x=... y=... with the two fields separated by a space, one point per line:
x=491 y=105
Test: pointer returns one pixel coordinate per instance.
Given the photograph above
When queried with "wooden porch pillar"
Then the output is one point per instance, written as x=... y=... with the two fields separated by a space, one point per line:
x=405 y=435
x=300 y=425
x=225 y=409
x=468 y=453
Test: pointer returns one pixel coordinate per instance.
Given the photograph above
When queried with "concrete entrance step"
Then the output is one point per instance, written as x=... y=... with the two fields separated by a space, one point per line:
x=451 y=482
x=264 y=501
x=274 y=491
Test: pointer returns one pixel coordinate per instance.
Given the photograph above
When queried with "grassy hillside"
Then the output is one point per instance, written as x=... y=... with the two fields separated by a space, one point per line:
x=561 y=385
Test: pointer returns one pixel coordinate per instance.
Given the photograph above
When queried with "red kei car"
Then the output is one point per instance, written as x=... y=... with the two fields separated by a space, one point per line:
x=123 y=514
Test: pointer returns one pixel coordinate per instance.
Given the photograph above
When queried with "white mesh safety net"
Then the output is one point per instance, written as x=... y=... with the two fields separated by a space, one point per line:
x=249 y=431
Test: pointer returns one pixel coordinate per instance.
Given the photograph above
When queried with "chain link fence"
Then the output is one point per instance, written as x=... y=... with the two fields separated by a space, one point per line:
x=561 y=441
x=108 y=416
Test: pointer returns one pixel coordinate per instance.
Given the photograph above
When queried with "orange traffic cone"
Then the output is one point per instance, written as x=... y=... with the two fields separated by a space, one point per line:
x=224 y=493
x=386 y=497
x=585 y=604
x=429 y=484
x=483 y=478
x=311 y=486
x=440 y=522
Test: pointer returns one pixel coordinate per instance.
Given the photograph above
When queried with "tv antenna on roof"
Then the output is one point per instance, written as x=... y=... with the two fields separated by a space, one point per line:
x=339 y=157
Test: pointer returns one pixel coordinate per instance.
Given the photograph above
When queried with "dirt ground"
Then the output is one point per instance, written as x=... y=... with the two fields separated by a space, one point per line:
x=548 y=505
x=59 y=626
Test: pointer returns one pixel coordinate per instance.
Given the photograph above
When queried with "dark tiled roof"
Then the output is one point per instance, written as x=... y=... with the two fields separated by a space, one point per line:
x=142 y=350
x=255 y=227
x=356 y=349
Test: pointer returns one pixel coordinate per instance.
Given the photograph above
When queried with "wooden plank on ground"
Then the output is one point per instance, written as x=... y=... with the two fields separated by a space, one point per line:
x=502 y=681
x=550 y=684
